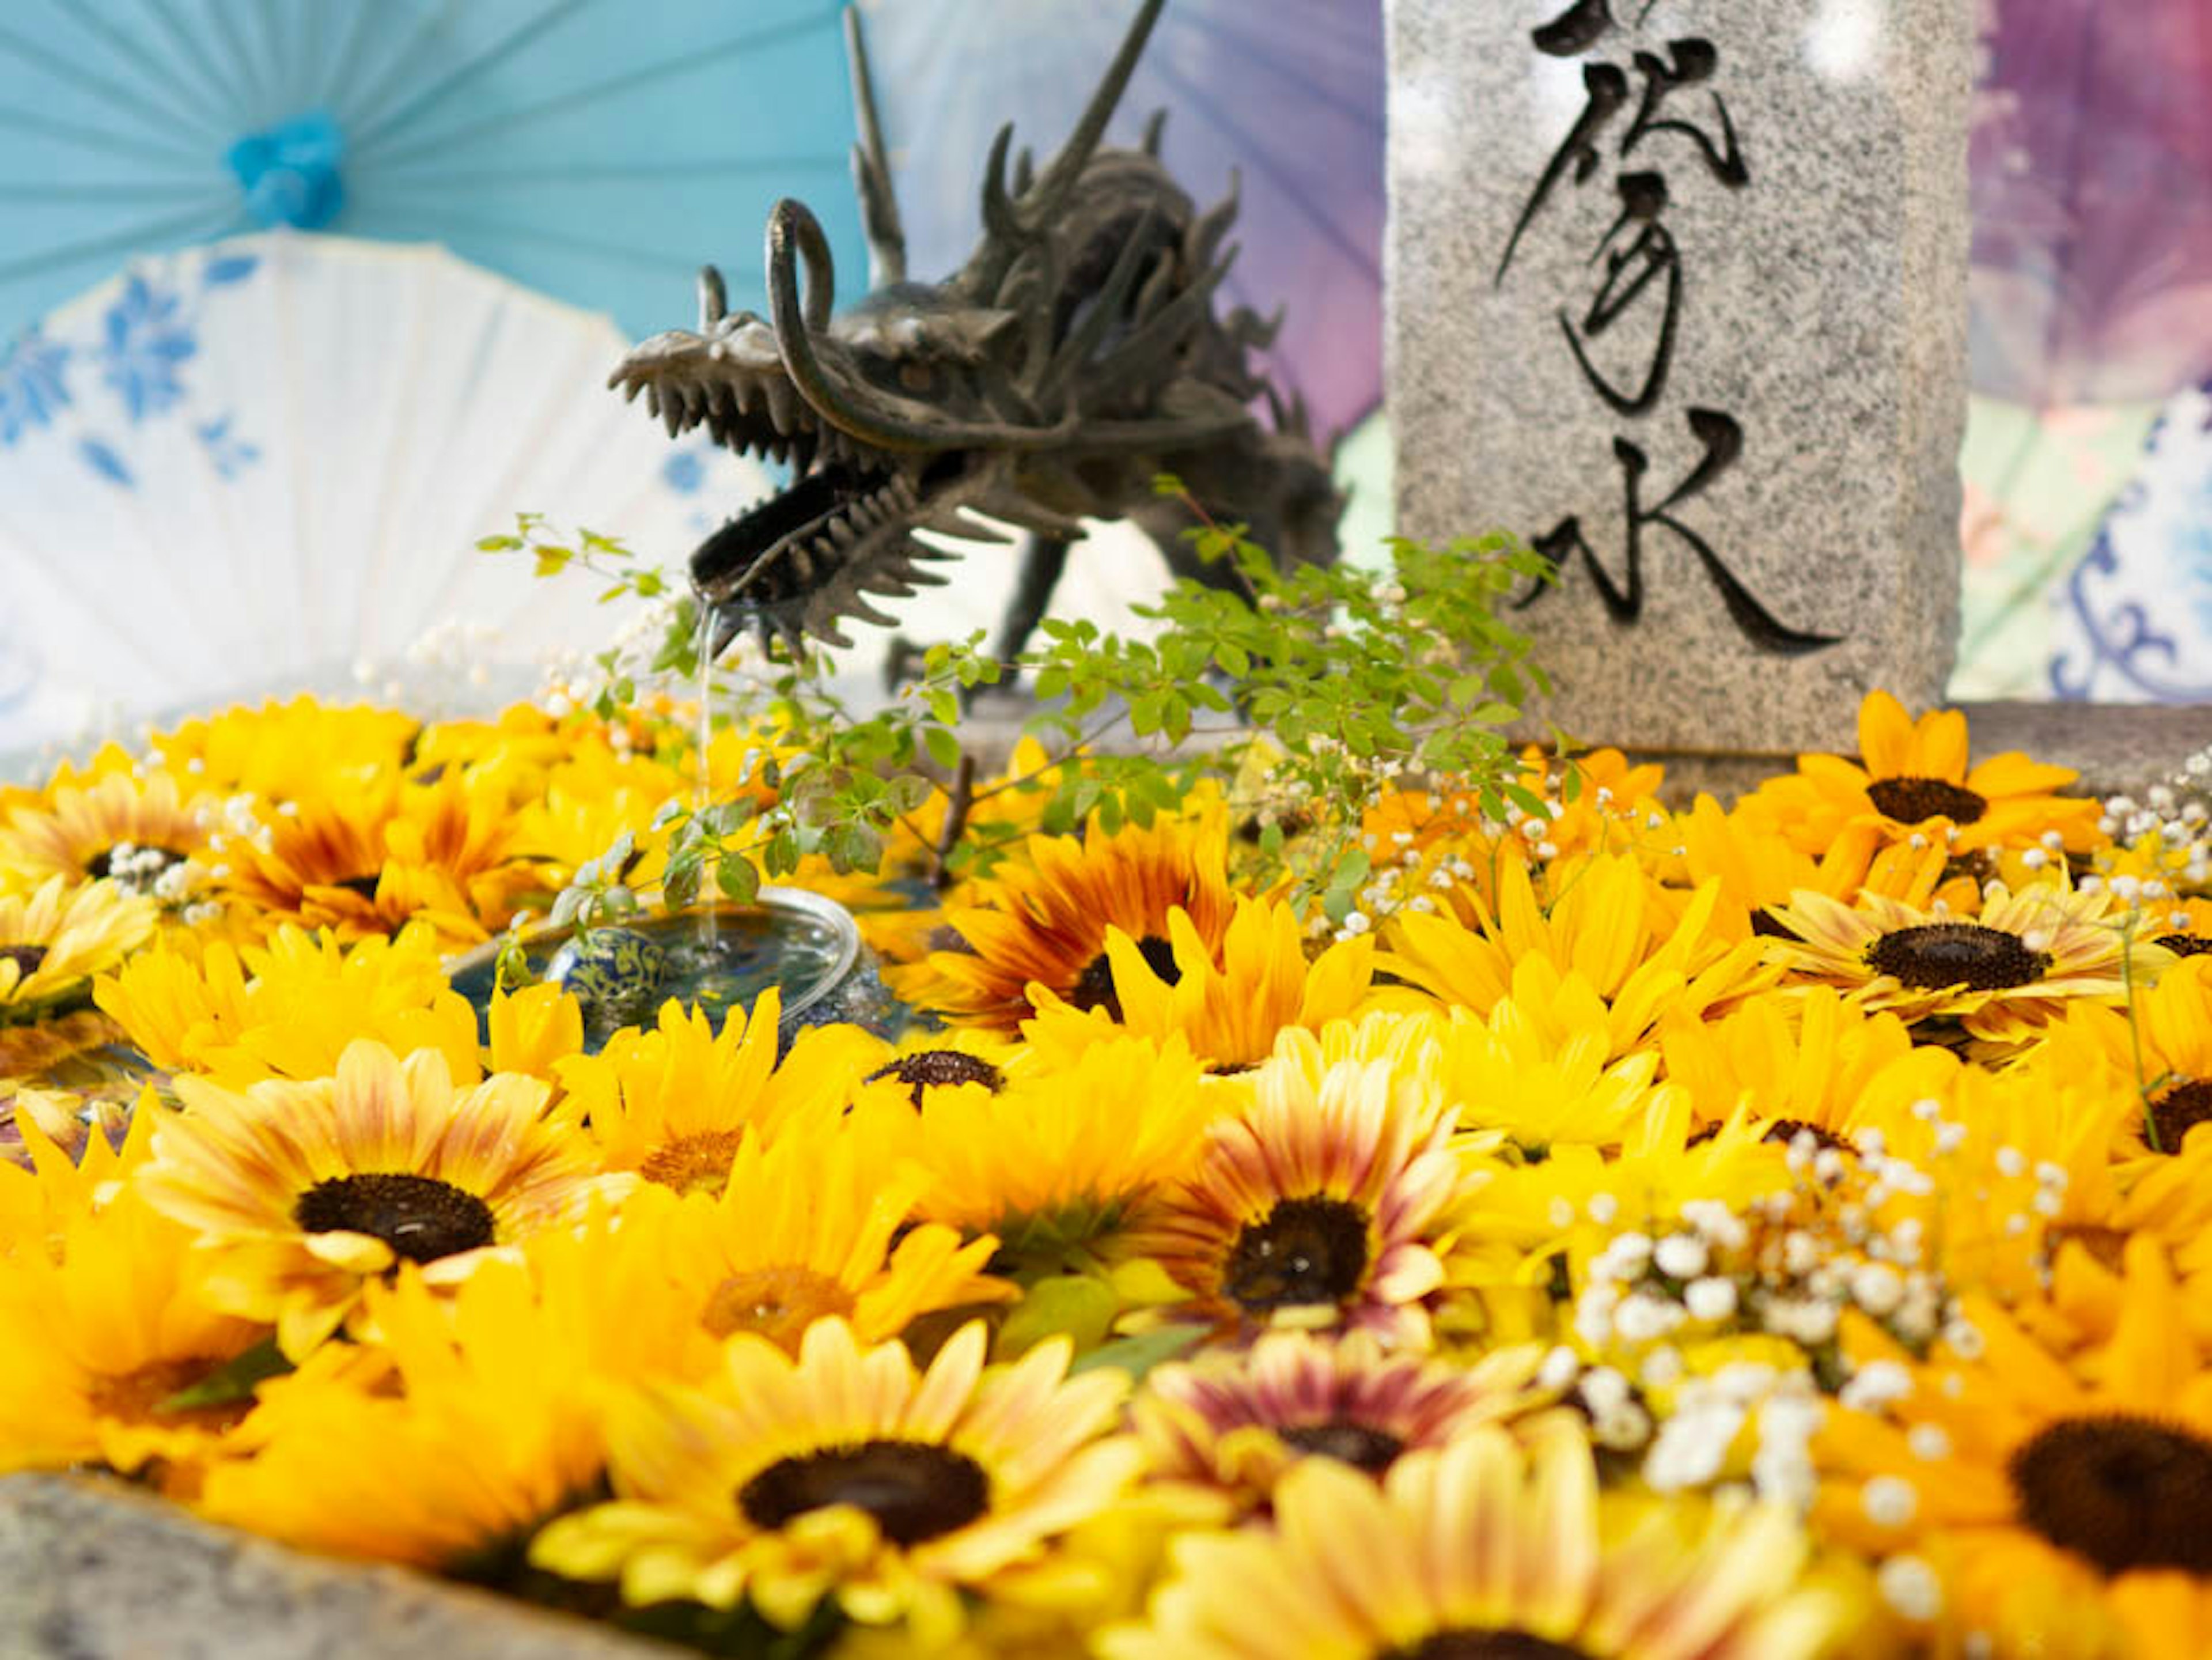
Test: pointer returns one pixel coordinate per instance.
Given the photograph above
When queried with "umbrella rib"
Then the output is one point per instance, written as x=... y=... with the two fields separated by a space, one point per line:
x=376 y=123
x=392 y=79
x=350 y=48
x=124 y=97
x=95 y=138
x=188 y=45
x=506 y=120
x=1365 y=116
x=558 y=172
x=253 y=98
x=1264 y=164
x=646 y=258
x=163 y=77
x=132 y=237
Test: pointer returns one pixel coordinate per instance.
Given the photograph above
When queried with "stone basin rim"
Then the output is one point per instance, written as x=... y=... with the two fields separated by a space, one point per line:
x=815 y=908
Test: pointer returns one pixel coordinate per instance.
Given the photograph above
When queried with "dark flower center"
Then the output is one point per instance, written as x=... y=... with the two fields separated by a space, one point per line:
x=1765 y=924
x=26 y=957
x=2177 y=1111
x=1306 y=1251
x=2187 y=944
x=147 y=863
x=1910 y=800
x=1941 y=954
x=2123 y=1491
x=1787 y=1130
x=919 y=1071
x=1361 y=1445
x=1094 y=987
x=914 y=1489
x=1467 y=1644
x=420 y=1217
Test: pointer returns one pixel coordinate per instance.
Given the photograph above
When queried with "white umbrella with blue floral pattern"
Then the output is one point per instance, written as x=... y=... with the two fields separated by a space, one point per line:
x=251 y=467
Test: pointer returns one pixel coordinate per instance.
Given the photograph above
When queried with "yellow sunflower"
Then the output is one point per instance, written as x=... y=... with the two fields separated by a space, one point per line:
x=2163 y=1044
x=138 y=830
x=1067 y=1156
x=287 y=751
x=1488 y=1547
x=288 y=1007
x=1237 y=1420
x=1542 y=1074
x=369 y=859
x=1915 y=781
x=813 y=1227
x=1318 y=1204
x=848 y=1474
x=477 y=1415
x=1230 y=1014
x=305 y=1191
x=1800 y=1061
x=1638 y=949
x=673 y=1103
x=2002 y=977
x=2054 y=1507
x=1043 y=920
x=105 y=1326
x=55 y=940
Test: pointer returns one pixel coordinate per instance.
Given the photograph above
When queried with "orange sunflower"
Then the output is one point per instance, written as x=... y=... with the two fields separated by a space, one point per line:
x=136 y=830
x=1915 y=781
x=2002 y=977
x=1044 y=920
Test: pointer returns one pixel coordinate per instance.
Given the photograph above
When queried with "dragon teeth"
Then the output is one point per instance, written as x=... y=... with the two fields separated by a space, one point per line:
x=782 y=404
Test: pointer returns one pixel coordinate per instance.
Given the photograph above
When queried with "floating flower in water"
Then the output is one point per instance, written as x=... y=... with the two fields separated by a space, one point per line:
x=848 y=1474
x=1318 y=1205
x=306 y=1191
x=1485 y=1548
x=1239 y=1420
x=1915 y=781
x=2054 y=1507
x=2001 y=976
x=1044 y=921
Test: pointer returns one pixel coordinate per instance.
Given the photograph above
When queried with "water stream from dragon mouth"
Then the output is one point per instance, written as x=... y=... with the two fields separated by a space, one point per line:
x=705 y=647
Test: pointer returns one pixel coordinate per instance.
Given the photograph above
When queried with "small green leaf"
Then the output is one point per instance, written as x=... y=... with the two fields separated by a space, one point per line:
x=738 y=880
x=498 y=544
x=944 y=747
x=231 y=1382
x=1139 y=1354
x=552 y=561
x=1074 y=1304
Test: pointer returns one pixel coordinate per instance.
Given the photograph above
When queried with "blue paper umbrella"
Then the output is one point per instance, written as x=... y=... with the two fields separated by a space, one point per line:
x=1286 y=94
x=600 y=150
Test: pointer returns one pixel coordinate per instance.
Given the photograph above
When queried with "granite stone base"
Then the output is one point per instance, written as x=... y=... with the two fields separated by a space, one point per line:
x=93 y=1569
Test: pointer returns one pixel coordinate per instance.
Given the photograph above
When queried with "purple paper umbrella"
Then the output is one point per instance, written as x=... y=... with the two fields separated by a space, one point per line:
x=2093 y=200
x=1286 y=94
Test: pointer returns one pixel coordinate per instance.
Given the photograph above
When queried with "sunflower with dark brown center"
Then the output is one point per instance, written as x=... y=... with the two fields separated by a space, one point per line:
x=2003 y=976
x=1237 y=1421
x=848 y=1474
x=1042 y=919
x=125 y=828
x=2066 y=1493
x=1912 y=778
x=414 y=1171
x=1319 y=1203
x=1497 y=1548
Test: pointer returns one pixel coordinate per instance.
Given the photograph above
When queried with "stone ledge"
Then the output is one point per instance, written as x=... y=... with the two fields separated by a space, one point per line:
x=92 y=1570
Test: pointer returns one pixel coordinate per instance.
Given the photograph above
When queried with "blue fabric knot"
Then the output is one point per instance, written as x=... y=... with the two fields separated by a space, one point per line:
x=289 y=172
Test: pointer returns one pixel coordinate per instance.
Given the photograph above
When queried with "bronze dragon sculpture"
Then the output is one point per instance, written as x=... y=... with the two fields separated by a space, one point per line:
x=1075 y=357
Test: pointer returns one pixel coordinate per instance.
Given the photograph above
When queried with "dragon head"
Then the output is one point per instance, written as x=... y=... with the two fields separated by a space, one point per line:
x=1072 y=358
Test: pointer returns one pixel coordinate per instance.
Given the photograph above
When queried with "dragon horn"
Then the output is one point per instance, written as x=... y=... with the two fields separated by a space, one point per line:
x=1051 y=191
x=871 y=169
x=794 y=234
x=713 y=298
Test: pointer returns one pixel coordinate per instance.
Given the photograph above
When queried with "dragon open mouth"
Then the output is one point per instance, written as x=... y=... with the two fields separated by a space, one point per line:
x=789 y=565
